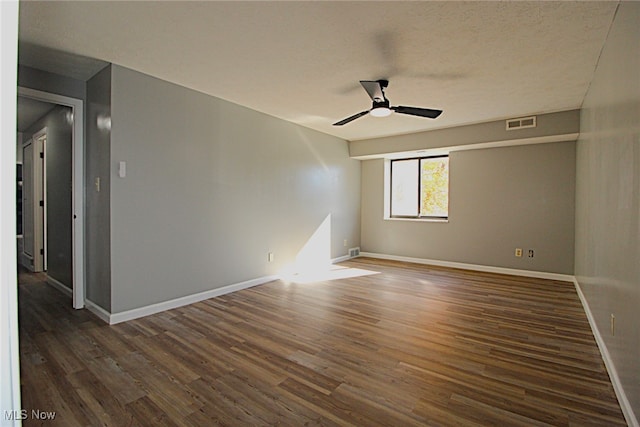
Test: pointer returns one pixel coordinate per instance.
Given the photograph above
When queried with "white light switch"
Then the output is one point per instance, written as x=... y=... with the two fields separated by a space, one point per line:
x=122 y=169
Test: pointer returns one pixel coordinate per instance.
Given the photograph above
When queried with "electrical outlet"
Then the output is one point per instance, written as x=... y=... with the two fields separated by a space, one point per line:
x=270 y=256
x=613 y=325
x=345 y=243
x=519 y=252
x=530 y=253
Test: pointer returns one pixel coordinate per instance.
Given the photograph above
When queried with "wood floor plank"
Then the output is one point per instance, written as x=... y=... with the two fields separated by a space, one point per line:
x=401 y=345
x=119 y=382
x=220 y=406
x=168 y=361
x=163 y=390
x=145 y=409
x=104 y=407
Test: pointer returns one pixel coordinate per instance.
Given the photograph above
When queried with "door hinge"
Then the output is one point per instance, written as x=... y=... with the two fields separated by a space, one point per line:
x=42 y=203
x=42 y=155
x=41 y=251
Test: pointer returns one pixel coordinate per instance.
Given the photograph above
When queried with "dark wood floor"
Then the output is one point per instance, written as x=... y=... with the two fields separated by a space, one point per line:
x=409 y=346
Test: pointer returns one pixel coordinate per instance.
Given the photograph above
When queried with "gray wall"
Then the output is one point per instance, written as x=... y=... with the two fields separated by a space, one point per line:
x=211 y=188
x=97 y=210
x=608 y=197
x=500 y=199
x=50 y=82
x=59 y=166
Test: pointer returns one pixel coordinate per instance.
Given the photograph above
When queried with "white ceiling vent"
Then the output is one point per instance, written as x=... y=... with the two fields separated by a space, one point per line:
x=521 y=123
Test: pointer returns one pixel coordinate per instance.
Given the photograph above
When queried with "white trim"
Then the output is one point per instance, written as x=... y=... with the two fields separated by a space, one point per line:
x=625 y=405
x=77 y=183
x=136 y=313
x=186 y=300
x=441 y=221
x=59 y=286
x=475 y=267
x=10 y=353
x=341 y=259
x=102 y=314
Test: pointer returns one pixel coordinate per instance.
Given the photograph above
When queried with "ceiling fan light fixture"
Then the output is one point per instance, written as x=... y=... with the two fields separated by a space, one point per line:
x=380 y=112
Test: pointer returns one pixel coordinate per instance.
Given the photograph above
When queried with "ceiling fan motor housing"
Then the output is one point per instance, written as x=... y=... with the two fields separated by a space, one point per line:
x=383 y=84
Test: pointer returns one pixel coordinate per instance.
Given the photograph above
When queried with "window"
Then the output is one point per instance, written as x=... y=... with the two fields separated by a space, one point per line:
x=420 y=188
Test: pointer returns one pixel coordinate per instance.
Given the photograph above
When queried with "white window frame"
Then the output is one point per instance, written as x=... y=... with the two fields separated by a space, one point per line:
x=388 y=191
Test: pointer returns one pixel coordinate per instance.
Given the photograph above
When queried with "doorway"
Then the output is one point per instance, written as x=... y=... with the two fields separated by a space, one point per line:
x=72 y=231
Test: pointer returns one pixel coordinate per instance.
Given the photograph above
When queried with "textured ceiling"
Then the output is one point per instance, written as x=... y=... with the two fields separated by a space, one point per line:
x=301 y=61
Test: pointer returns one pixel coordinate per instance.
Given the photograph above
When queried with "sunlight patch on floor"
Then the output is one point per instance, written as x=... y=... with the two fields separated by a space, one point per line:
x=334 y=272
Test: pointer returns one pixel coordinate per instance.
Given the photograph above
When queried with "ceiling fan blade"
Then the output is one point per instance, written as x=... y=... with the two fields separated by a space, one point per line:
x=415 y=111
x=374 y=89
x=351 y=118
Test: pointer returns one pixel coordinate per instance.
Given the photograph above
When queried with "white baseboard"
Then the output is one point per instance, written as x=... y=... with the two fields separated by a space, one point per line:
x=625 y=405
x=474 y=267
x=136 y=313
x=59 y=286
x=341 y=259
x=103 y=314
x=90 y=305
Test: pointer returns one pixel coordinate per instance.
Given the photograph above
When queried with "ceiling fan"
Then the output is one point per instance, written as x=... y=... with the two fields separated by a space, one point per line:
x=381 y=107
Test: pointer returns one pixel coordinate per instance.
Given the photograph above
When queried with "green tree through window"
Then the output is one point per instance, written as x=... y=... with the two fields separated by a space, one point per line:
x=434 y=180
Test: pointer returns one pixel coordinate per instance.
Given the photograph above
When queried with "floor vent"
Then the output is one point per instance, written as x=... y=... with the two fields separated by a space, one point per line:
x=354 y=252
x=521 y=123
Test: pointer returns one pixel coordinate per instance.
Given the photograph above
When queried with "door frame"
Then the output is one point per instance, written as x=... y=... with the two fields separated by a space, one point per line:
x=77 y=184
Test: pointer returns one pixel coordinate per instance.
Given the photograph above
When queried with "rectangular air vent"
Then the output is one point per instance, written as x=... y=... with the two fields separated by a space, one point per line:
x=521 y=123
x=354 y=252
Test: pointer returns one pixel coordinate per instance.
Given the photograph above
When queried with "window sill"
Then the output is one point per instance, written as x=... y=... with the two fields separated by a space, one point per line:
x=417 y=219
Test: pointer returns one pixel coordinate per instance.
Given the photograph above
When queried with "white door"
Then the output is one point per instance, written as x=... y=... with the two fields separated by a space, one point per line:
x=41 y=145
x=27 y=200
x=33 y=201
